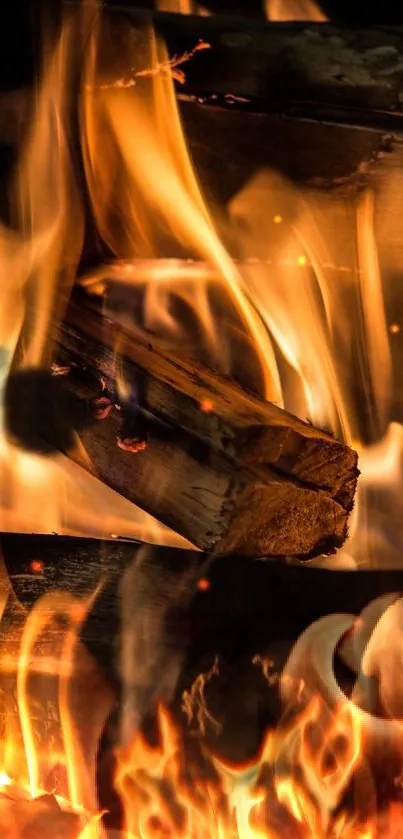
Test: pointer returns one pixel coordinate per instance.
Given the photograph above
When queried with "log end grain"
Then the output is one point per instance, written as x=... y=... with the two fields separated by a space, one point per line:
x=302 y=451
x=283 y=519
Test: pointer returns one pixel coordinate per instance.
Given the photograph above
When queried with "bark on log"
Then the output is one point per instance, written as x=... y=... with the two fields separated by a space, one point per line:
x=230 y=472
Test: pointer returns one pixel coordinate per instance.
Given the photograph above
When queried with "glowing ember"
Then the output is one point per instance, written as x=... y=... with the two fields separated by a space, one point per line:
x=37 y=566
x=207 y=406
x=203 y=584
x=131 y=444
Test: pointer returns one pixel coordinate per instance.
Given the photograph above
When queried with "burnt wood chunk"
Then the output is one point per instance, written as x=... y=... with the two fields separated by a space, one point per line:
x=225 y=469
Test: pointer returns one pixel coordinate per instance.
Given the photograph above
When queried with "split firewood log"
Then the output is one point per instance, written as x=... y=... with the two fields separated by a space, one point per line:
x=225 y=469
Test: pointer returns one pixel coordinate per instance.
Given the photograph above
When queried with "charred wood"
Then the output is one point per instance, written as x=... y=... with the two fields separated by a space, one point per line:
x=307 y=70
x=273 y=598
x=295 y=68
x=269 y=599
x=243 y=609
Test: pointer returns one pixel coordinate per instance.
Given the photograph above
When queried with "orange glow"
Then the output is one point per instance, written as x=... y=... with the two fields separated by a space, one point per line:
x=54 y=681
x=140 y=128
x=183 y=7
x=207 y=406
x=234 y=801
x=36 y=566
x=294 y=10
x=203 y=584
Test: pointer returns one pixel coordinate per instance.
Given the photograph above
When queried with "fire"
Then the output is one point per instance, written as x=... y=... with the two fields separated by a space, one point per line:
x=47 y=747
x=39 y=258
x=313 y=300
x=55 y=703
x=163 y=795
x=159 y=195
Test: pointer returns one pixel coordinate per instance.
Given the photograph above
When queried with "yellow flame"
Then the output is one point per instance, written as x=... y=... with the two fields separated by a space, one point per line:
x=145 y=774
x=39 y=261
x=47 y=208
x=50 y=721
x=158 y=191
x=376 y=332
x=80 y=767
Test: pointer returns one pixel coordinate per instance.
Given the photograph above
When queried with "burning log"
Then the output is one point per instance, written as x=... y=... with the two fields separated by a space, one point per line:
x=271 y=604
x=230 y=472
x=174 y=604
x=226 y=470
x=312 y=71
x=271 y=600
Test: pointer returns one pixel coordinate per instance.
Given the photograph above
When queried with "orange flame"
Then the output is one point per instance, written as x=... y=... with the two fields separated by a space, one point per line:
x=48 y=745
x=163 y=795
x=296 y=785
x=141 y=176
x=39 y=260
x=282 y=10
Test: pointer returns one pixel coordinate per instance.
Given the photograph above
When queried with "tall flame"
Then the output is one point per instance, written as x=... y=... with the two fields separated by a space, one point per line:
x=140 y=177
x=296 y=785
x=162 y=795
x=48 y=743
x=39 y=259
